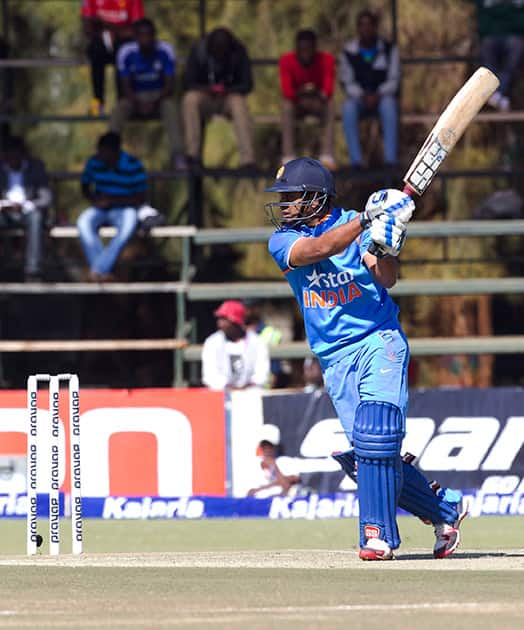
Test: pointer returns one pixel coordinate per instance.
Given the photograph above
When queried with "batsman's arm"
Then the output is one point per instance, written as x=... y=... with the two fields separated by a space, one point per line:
x=307 y=251
x=384 y=270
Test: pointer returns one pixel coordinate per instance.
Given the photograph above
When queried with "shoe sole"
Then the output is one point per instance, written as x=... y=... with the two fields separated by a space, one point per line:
x=445 y=552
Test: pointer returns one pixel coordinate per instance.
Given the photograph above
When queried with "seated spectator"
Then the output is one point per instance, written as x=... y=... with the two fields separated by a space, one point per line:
x=146 y=68
x=115 y=183
x=313 y=379
x=370 y=75
x=307 y=78
x=233 y=357
x=24 y=200
x=107 y=25
x=217 y=81
x=501 y=37
x=271 y=475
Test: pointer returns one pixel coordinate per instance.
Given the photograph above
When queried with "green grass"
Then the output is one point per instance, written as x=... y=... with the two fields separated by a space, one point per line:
x=263 y=574
x=255 y=534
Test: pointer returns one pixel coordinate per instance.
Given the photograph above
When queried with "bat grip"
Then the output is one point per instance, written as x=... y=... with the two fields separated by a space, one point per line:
x=376 y=250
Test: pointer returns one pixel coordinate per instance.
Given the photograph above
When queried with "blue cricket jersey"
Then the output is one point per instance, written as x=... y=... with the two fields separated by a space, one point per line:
x=146 y=73
x=339 y=298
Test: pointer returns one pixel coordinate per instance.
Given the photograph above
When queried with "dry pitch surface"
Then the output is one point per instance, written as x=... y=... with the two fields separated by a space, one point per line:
x=263 y=574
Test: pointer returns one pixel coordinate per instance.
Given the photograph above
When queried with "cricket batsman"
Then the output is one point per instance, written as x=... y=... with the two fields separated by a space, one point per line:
x=352 y=327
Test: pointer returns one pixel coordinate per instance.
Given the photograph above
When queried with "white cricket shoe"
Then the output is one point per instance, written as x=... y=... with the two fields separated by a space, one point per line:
x=376 y=549
x=448 y=536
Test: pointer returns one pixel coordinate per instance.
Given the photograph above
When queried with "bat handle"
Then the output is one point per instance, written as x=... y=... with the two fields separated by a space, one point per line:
x=376 y=250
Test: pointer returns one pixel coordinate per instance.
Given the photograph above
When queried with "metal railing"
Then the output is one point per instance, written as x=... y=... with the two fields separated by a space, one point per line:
x=184 y=291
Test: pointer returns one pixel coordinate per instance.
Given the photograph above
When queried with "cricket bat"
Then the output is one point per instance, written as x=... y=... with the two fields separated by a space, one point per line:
x=448 y=129
x=446 y=132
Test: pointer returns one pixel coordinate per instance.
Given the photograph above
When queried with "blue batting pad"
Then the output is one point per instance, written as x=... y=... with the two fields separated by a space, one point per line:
x=347 y=460
x=377 y=436
x=418 y=498
x=416 y=495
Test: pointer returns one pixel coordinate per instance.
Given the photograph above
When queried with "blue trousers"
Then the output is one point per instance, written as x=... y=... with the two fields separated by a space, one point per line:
x=353 y=110
x=374 y=369
x=503 y=55
x=102 y=258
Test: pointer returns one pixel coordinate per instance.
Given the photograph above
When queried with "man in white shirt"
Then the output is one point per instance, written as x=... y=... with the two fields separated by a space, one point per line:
x=233 y=357
x=24 y=200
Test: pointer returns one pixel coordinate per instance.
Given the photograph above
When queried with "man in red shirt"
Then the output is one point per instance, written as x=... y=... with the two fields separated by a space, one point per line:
x=107 y=24
x=307 y=79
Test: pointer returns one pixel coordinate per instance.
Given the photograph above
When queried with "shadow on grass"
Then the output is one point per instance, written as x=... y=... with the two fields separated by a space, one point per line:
x=465 y=555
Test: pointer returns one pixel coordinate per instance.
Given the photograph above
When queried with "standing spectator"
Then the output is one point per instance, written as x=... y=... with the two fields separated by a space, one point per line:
x=115 y=182
x=234 y=357
x=307 y=78
x=370 y=76
x=217 y=80
x=107 y=25
x=25 y=199
x=146 y=68
x=501 y=35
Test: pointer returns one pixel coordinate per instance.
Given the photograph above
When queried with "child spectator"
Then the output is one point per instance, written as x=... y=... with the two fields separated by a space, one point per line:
x=370 y=76
x=146 y=68
x=115 y=182
x=307 y=78
x=107 y=25
x=24 y=200
x=234 y=357
x=218 y=78
x=273 y=475
x=501 y=35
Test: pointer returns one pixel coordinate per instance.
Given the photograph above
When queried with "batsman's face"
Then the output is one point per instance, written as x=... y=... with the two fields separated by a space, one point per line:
x=297 y=205
x=293 y=205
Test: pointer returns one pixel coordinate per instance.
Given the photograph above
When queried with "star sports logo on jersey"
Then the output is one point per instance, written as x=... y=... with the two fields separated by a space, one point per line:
x=331 y=289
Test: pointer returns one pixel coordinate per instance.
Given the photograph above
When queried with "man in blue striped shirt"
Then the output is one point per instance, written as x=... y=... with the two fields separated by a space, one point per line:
x=115 y=183
x=146 y=70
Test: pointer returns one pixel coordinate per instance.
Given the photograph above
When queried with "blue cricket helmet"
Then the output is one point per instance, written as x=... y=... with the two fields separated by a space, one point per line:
x=309 y=177
x=304 y=174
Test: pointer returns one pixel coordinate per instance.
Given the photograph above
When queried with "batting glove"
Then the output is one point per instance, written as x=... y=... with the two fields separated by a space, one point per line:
x=389 y=234
x=390 y=201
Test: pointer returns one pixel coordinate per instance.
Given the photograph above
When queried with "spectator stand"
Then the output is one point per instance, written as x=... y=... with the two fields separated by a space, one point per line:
x=185 y=291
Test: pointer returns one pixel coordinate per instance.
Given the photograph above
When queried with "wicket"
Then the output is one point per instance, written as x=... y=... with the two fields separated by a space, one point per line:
x=74 y=453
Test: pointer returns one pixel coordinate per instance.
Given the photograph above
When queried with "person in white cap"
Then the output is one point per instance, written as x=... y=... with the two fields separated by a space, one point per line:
x=233 y=357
